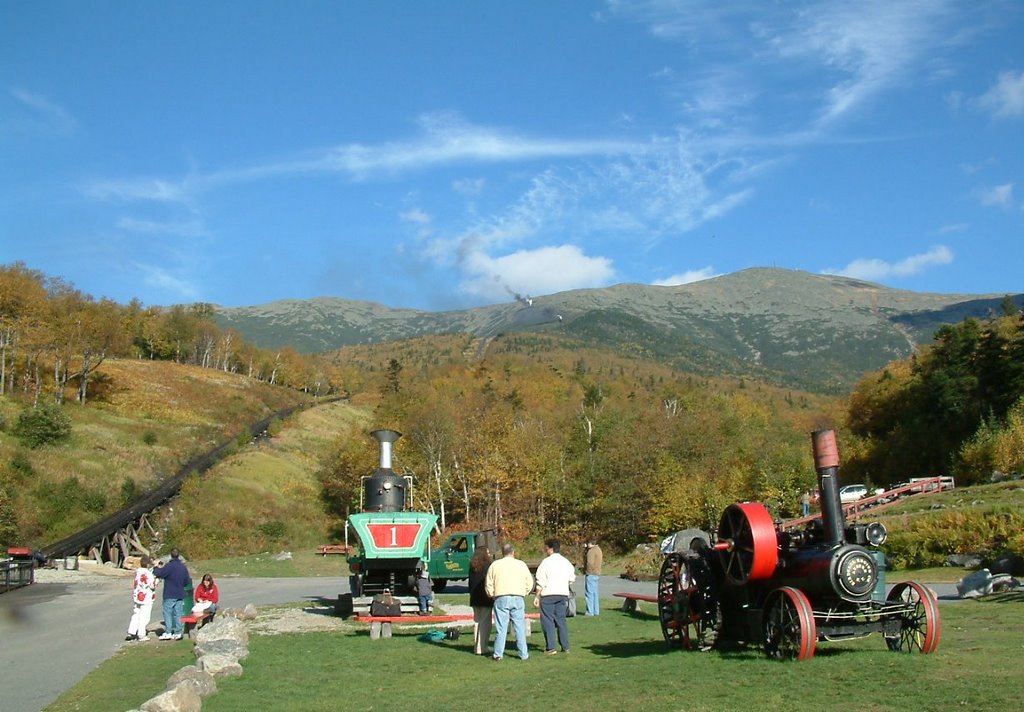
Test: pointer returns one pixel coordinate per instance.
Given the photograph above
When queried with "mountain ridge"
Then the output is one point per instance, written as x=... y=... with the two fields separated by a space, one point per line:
x=813 y=331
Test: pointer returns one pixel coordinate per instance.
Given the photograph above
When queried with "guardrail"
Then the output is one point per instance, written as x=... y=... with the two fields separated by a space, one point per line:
x=16 y=573
x=879 y=502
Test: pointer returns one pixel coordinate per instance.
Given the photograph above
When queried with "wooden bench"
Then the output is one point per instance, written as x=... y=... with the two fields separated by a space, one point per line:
x=380 y=626
x=195 y=620
x=325 y=549
x=631 y=604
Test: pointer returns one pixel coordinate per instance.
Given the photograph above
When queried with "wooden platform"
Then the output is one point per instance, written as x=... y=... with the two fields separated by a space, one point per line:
x=380 y=626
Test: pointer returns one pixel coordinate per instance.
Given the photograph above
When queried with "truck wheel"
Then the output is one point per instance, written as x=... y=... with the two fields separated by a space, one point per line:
x=440 y=585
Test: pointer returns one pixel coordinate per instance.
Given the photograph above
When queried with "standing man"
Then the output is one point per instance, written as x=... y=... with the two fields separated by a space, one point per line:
x=508 y=582
x=176 y=577
x=593 y=559
x=554 y=575
x=805 y=503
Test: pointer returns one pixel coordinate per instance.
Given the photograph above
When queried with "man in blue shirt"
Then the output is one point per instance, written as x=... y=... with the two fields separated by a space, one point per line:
x=176 y=577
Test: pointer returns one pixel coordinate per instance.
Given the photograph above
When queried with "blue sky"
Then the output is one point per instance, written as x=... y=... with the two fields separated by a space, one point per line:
x=439 y=155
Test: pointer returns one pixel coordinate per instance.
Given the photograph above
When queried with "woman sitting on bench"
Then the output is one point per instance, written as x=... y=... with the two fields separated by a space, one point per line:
x=206 y=597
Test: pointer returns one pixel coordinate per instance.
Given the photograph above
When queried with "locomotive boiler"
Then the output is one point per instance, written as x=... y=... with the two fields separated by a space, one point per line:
x=751 y=582
x=394 y=540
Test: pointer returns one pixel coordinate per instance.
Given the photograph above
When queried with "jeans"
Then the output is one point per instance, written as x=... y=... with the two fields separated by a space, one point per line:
x=510 y=608
x=552 y=619
x=592 y=595
x=172 y=615
x=425 y=602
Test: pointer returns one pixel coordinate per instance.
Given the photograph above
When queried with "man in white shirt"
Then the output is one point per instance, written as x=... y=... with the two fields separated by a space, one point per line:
x=554 y=575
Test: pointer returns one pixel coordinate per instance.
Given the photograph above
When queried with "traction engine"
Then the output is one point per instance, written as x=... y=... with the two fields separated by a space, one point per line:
x=753 y=583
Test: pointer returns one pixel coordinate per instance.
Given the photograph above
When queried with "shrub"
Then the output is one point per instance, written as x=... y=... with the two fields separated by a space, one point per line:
x=272 y=530
x=21 y=466
x=42 y=425
x=149 y=437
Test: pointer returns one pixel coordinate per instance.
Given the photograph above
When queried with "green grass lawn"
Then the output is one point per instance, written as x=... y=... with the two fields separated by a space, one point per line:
x=618 y=661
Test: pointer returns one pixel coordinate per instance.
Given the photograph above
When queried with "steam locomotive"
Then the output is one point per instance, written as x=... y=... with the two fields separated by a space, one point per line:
x=394 y=541
x=752 y=582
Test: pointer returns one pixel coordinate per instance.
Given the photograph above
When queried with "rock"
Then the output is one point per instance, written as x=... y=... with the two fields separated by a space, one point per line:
x=182 y=698
x=966 y=561
x=204 y=682
x=223 y=646
x=975 y=585
x=221 y=629
x=248 y=613
x=1007 y=564
x=220 y=665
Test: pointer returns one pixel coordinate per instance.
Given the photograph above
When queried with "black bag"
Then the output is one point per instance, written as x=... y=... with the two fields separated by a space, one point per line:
x=385 y=606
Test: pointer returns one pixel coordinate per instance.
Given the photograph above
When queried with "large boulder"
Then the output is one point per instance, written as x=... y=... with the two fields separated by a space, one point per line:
x=222 y=646
x=184 y=697
x=204 y=682
x=220 y=665
x=223 y=629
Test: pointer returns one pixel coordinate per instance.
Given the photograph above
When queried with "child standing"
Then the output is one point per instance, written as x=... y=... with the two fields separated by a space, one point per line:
x=424 y=591
x=143 y=593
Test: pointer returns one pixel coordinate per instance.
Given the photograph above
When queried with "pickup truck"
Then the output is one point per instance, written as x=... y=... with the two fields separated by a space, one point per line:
x=450 y=562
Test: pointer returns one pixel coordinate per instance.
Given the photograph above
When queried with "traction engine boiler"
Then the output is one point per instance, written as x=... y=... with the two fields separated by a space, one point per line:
x=753 y=583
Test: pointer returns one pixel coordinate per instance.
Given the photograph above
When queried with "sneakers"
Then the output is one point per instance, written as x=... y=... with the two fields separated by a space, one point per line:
x=166 y=636
x=551 y=652
x=176 y=636
x=495 y=658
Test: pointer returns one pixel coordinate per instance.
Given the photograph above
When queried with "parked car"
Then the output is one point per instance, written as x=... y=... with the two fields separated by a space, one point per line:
x=851 y=493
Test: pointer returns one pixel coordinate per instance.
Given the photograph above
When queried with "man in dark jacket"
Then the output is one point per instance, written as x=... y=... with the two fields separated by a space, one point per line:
x=176 y=577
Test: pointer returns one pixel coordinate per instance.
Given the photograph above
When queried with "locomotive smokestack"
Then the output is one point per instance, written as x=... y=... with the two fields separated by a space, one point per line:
x=826 y=463
x=385 y=438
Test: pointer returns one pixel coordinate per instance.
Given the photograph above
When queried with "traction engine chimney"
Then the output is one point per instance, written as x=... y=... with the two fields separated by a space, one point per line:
x=826 y=463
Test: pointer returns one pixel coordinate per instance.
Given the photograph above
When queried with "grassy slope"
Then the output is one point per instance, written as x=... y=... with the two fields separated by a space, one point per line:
x=264 y=498
x=182 y=411
x=616 y=660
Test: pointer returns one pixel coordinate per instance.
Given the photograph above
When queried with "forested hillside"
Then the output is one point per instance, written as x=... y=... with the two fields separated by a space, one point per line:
x=573 y=442
x=955 y=408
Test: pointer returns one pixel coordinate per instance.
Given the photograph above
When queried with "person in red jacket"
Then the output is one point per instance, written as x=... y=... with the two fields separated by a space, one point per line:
x=206 y=596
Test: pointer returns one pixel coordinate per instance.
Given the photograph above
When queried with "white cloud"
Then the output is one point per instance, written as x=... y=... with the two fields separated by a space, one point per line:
x=853 y=51
x=132 y=189
x=47 y=113
x=544 y=270
x=876 y=269
x=469 y=186
x=190 y=228
x=692 y=275
x=954 y=227
x=1006 y=99
x=417 y=216
x=999 y=196
x=162 y=279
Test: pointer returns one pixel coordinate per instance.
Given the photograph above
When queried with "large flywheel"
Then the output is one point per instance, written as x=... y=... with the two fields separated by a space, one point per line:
x=747 y=543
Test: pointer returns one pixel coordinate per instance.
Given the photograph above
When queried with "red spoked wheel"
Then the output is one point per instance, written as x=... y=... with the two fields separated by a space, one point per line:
x=920 y=626
x=748 y=545
x=673 y=602
x=789 y=629
x=685 y=605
